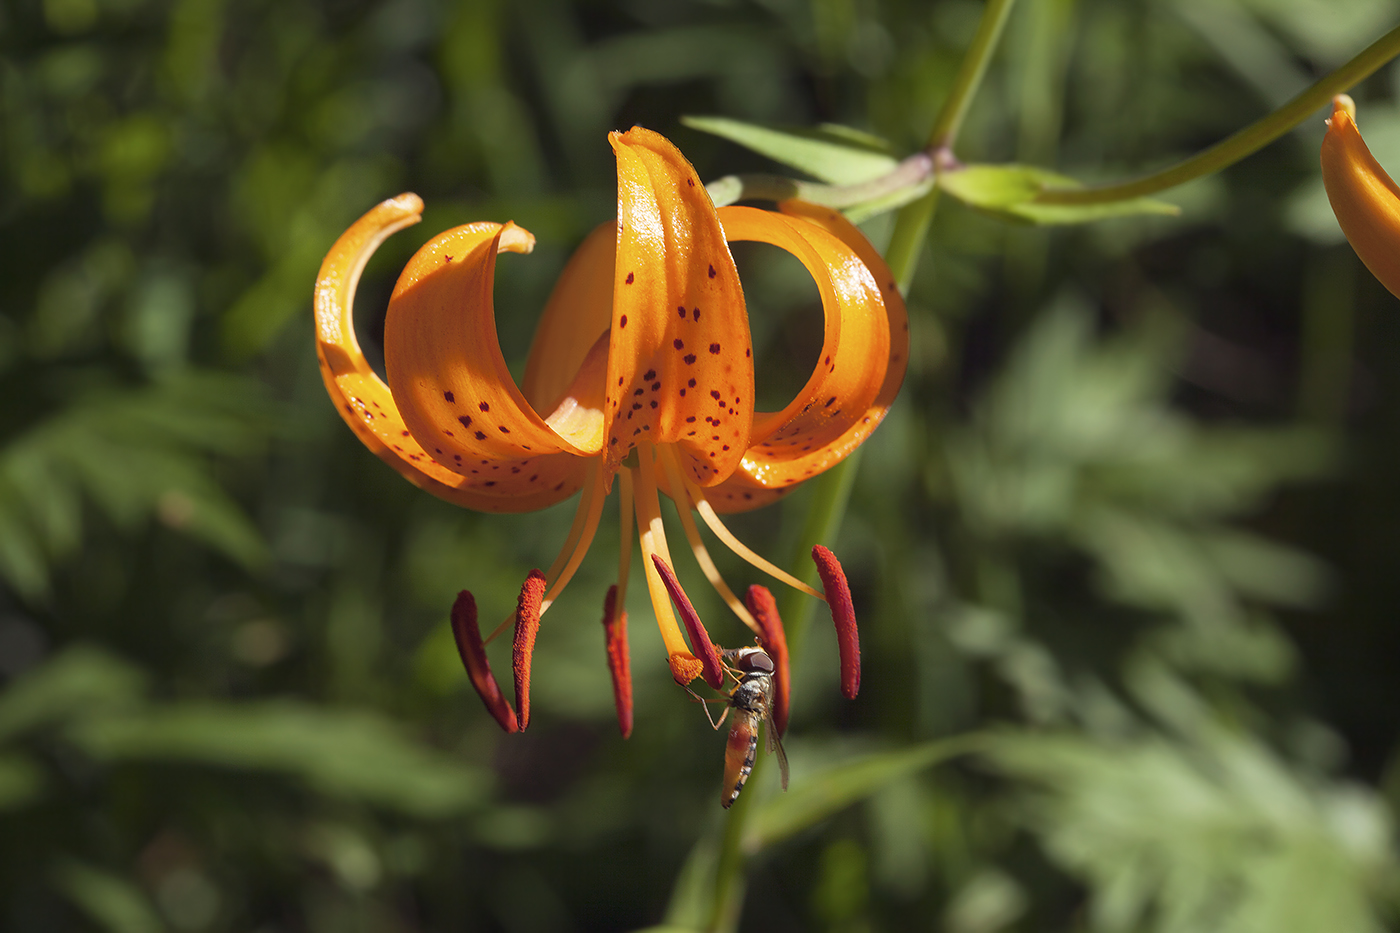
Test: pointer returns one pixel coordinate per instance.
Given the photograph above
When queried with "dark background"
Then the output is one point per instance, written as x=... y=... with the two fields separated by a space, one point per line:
x=1135 y=510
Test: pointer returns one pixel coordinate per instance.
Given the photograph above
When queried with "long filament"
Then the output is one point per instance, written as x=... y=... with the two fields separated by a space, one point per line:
x=707 y=512
x=624 y=536
x=652 y=537
x=667 y=456
x=581 y=532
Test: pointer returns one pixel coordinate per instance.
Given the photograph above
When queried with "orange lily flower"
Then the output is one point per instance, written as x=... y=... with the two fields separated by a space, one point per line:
x=641 y=370
x=1364 y=198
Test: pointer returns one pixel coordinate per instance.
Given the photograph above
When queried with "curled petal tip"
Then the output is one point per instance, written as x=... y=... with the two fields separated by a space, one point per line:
x=527 y=626
x=1364 y=198
x=699 y=638
x=615 y=634
x=843 y=614
x=473 y=652
x=1344 y=103
x=774 y=641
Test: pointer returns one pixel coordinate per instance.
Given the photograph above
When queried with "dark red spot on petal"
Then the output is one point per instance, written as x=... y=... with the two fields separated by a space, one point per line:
x=448 y=397
x=714 y=348
x=630 y=277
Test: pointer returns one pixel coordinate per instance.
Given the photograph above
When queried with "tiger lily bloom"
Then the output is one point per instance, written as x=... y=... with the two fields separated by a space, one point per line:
x=1364 y=198
x=641 y=371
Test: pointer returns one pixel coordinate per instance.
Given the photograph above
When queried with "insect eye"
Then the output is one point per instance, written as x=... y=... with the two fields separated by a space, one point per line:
x=758 y=661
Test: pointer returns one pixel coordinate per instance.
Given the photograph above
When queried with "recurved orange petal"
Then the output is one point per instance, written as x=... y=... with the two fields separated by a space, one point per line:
x=1364 y=198
x=368 y=407
x=680 y=365
x=451 y=383
x=578 y=311
x=864 y=355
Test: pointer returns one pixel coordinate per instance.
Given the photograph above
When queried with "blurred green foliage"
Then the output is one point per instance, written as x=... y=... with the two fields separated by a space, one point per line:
x=1123 y=551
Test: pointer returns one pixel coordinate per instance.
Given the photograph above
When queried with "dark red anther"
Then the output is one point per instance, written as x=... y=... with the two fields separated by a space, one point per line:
x=774 y=641
x=843 y=613
x=527 y=626
x=473 y=652
x=615 y=635
x=705 y=650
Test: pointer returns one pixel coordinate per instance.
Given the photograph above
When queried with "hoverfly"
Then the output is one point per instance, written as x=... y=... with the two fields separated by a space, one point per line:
x=751 y=703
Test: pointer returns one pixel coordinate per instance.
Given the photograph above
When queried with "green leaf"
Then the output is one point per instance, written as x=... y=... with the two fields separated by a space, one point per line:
x=823 y=794
x=79 y=681
x=1010 y=191
x=835 y=154
x=1212 y=833
x=354 y=755
x=21 y=781
x=113 y=902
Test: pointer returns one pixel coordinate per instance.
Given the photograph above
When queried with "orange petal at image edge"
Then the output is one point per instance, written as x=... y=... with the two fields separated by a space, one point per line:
x=1365 y=199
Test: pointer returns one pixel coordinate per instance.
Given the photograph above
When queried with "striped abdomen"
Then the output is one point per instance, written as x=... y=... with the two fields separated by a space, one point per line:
x=739 y=753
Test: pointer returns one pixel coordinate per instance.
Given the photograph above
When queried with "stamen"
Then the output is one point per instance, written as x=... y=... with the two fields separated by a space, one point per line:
x=667 y=457
x=707 y=512
x=843 y=613
x=774 y=641
x=703 y=648
x=652 y=538
x=624 y=536
x=581 y=532
x=615 y=639
x=473 y=652
x=597 y=481
x=527 y=626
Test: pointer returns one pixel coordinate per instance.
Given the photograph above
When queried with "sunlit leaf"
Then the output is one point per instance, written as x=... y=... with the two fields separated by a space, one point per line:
x=1218 y=834
x=820 y=795
x=838 y=155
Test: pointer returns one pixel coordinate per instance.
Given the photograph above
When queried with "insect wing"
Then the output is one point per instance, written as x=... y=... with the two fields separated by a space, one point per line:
x=739 y=752
x=775 y=747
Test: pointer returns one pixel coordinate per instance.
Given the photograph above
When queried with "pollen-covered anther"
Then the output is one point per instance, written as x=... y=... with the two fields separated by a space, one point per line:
x=843 y=614
x=705 y=650
x=615 y=639
x=685 y=667
x=774 y=641
x=527 y=626
x=473 y=652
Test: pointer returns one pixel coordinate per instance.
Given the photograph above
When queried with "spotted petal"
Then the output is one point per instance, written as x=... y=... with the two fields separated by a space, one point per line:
x=680 y=365
x=864 y=354
x=451 y=382
x=365 y=402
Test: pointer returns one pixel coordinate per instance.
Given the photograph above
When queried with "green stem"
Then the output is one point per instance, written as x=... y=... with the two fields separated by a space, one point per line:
x=970 y=73
x=833 y=488
x=1248 y=140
